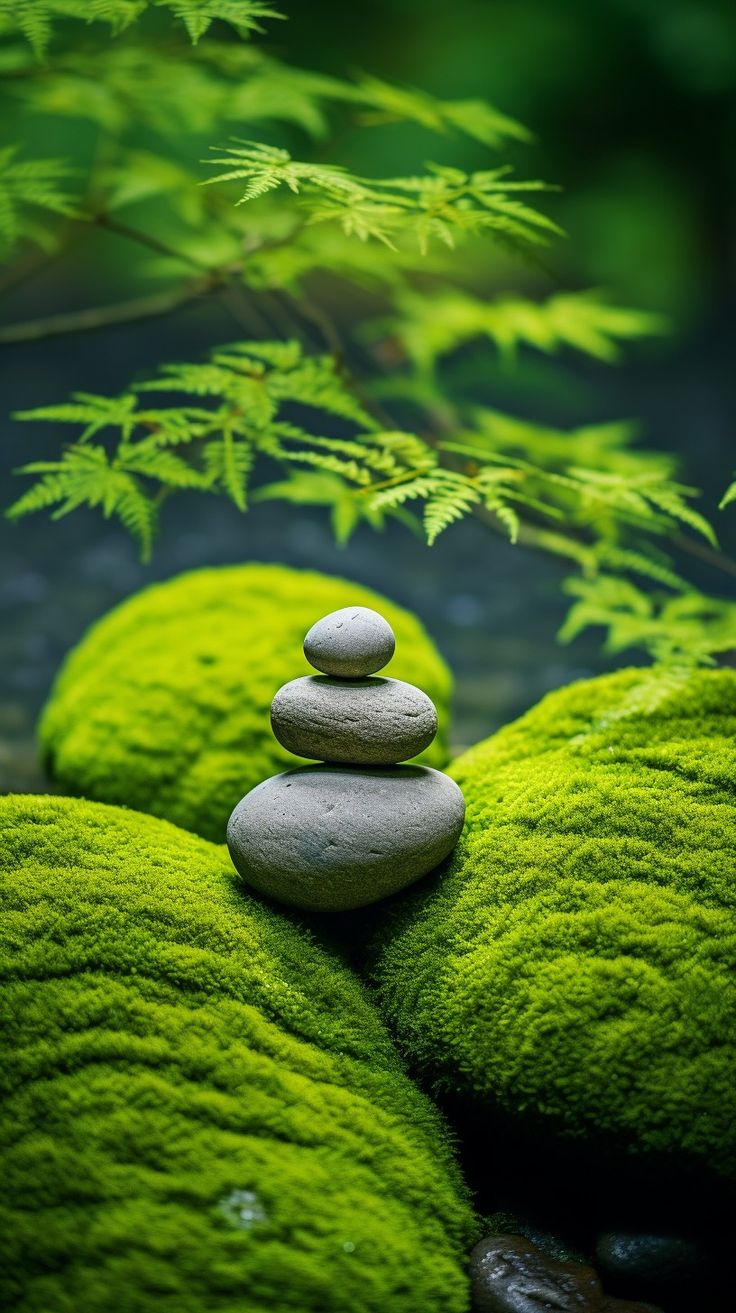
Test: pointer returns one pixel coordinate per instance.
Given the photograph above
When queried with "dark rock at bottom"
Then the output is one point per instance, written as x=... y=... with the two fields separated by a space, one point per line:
x=657 y=1266
x=510 y=1275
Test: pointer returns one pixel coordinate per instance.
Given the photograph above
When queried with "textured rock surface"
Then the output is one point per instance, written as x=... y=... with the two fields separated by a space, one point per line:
x=656 y=1265
x=202 y=1112
x=372 y=722
x=351 y=642
x=509 y=1275
x=575 y=964
x=327 y=837
x=164 y=704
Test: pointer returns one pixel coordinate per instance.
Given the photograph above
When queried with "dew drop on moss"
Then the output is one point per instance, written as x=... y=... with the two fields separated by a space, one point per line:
x=243 y=1209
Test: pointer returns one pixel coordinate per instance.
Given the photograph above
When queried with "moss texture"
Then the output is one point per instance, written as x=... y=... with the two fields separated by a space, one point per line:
x=576 y=963
x=201 y=1109
x=164 y=705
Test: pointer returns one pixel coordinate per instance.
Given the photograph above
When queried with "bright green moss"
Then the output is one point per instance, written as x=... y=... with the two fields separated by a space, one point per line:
x=164 y=705
x=174 y=1053
x=577 y=962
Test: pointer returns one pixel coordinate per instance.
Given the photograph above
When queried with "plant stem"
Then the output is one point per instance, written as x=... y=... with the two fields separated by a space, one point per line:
x=107 y=222
x=125 y=312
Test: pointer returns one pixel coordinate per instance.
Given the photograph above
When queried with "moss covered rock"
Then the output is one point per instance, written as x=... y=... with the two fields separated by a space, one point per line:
x=201 y=1109
x=576 y=963
x=164 y=705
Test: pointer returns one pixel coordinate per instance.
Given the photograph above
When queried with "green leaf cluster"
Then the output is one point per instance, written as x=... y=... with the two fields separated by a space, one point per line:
x=369 y=422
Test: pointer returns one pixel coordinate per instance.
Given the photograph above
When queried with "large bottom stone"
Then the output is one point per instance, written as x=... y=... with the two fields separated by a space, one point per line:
x=331 y=838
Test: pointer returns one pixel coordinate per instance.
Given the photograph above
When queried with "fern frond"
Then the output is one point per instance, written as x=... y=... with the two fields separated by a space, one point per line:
x=154 y=462
x=433 y=325
x=476 y=118
x=137 y=514
x=94 y=413
x=35 y=183
x=332 y=464
x=685 y=630
x=35 y=18
x=348 y=508
x=626 y=560
x=728 y=496
x=442 y=204
x=228 y=462
x=265 y=168
x=198 y=15
x=452 y=498
x=316 y=382
x=641 y=497
x=86 y=476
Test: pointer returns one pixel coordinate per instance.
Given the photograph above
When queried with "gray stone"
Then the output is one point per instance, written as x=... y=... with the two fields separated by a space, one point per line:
x=351 y=642
x=363 y=722
x=330 y=838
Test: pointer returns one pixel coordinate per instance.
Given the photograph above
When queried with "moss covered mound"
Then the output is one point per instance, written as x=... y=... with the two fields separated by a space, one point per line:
x=164 y=705
x=201 y=1109
x=576 y=963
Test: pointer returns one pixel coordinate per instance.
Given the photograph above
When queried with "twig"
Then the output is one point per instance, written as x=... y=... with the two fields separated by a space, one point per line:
x=125 y=312
x=107 y=222
x=705 y=553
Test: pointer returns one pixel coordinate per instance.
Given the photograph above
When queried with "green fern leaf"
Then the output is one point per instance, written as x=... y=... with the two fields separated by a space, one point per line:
x=35 y=18
x=198 y=15
x=34 y=183
x=434 y=325
x=228 y=463
x=148 y=459
x=93 y=412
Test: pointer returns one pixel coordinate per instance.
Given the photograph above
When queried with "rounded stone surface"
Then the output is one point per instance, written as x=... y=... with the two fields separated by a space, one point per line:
x=363 y=722
x=658 y=1265
x=328 y=838
x=351 y=642
x=509 y=1274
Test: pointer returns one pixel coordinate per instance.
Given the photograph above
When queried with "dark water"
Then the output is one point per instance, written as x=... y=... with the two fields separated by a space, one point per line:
x=493 y=609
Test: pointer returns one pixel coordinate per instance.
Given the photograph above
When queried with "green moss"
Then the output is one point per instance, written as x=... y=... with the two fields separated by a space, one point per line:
x=576 y=962
x=164 y=705
x=175 y=1054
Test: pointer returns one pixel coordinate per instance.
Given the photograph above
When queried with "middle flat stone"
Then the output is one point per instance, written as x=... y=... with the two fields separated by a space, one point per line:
x=360 y=722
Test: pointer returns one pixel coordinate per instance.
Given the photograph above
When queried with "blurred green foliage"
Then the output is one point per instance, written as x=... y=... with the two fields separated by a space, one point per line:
x=633 y=107
x=376 y=223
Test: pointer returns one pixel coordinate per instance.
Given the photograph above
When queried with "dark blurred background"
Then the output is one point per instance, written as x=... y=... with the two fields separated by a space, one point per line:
x=633 y=106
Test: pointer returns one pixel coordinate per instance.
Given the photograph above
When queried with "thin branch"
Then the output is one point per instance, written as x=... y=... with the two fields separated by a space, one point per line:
x=18 y=275
x=107 y=222
x=125 y=312
x=705 y=553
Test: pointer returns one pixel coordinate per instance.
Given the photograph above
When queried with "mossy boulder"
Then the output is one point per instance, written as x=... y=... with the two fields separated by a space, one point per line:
x=202 y=1111
x=164 y=705
x=575 y=964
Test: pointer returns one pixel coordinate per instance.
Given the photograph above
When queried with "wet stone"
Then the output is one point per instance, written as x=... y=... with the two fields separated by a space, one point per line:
x=654 y=1265
x=349 y=643
x=331 y=838
x=369 y=722
x=510 y=1275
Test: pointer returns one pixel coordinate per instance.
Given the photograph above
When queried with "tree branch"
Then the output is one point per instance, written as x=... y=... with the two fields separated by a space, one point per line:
x=107 y=222
x=125 y=312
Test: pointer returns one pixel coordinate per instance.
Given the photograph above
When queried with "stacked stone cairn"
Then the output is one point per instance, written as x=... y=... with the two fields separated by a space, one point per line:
x=358 y=826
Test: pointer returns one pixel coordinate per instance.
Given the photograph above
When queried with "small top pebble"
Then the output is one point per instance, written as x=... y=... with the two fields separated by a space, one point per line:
x=351 y=643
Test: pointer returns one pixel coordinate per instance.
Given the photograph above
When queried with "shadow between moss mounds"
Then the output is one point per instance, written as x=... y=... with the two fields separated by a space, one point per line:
x=563 y=1193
